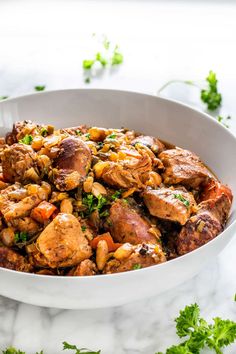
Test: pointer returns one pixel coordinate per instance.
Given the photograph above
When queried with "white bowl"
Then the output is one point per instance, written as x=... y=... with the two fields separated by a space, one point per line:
x=172 y=122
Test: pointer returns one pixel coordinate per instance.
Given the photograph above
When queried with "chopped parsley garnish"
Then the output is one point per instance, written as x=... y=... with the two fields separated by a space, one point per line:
x=44 y=132
x=21 y=237
x=87 y=64
x=39 y=88
x=108 y=56
x=223 y=120
x=87 y=135
x=137 y=266
x=78 y=132
x=211 y=96
x=92 y=203
x=100 y=144
x=111 y=136
x=26 y=140
x=117 y=57
x=3 y=97
x=182 y=199
x=101 y=59
x=83 y=228
x=116 y=195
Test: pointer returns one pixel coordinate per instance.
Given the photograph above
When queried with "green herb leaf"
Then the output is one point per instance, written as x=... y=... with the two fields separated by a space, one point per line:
x=94 y=203
x=223 y=334
x=87 y=135
x=3 y=97
x=223 y=120
x=21 y=237
x=12 y=350
x=67 y=346
x=106 y=43
x=26 y=140
x=188 y=320
x=182 y=199
x=211 y=96
x=116 y=195
x=87 y=80
x=137 y=266
x=87 y=64
x=78 y=132
x=101 y=59
x=83 y=228
x=111 y=136
x=117 y=57
x=44 y=132
x=39 y=88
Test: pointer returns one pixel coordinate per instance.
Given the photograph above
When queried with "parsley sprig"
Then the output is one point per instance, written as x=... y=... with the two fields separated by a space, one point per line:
x=67 y=346
x=94 y=203
x=199 y=334
x=209 y=94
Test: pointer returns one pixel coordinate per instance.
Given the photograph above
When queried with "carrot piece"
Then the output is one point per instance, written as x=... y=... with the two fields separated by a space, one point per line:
x=112 y=246
x=43 y=211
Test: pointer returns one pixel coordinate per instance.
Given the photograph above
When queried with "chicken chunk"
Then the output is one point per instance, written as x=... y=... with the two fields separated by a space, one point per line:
x=12 y=260
x=26 y=224
x=72 y=163
x=141 y=256
x=85 y=268
x=205 y=225
x=20 y=129
x=62 y=242
x=171 y=204
x=153 y=143
x=183 y=166
x=129 y=173
x=127 y=225
x=16 y=160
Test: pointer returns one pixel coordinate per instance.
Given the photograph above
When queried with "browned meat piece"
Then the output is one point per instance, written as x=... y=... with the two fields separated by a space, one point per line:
x=16 y=160
x=26 y=224
x=128 y=173
x=140 y=256
x=171 y=204
x=20 y=209
x=153 y=143
x=86 y=267
x=184 y=167
x=62 y=242
x=36 y=258
x=16 y=209
x=20 y=129
x=205 y=225
x=214 y=189
x=127 y=225
x=72 y=163
x=12 y=260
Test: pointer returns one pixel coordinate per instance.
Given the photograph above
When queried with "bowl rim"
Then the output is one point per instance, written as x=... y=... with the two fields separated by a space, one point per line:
x=86 y=278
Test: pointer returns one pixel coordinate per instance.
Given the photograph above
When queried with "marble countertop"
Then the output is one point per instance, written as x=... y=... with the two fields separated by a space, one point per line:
x=44 y=42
